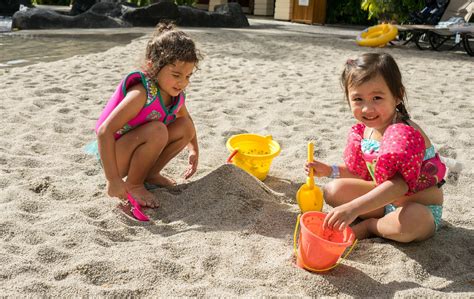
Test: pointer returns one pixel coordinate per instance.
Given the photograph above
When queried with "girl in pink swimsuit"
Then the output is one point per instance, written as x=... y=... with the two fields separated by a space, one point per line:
x=145 y=123
x=392 y=176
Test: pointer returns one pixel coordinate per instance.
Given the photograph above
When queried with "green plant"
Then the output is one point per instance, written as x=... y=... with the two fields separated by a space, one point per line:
x=391 y=10
x=346 y=12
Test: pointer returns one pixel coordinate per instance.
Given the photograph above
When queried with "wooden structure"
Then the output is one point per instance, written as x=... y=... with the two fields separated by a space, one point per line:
x=283 y=9
x=309 y=11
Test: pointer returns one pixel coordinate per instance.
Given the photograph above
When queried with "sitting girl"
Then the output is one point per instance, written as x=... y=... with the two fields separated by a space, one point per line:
x=392 y=176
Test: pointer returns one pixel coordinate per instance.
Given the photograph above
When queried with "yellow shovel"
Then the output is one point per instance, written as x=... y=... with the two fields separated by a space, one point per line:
x=309 y=196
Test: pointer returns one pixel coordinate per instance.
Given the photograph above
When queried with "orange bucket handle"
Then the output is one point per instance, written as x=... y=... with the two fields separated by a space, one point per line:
x=229 y=159
x=306 y=266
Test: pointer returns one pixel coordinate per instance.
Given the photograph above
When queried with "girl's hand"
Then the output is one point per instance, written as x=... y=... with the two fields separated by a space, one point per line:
x=116 y=188
x=193 y=164
x=340 y=217
x=319 y=169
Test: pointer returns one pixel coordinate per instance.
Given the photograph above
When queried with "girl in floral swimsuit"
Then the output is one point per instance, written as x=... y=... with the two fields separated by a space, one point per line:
x=392 y=176
x=145 y=123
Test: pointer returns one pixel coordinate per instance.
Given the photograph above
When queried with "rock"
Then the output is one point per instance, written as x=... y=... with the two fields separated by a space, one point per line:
x=238 y=18
x=226 y=15
x=114 y=10
x=152 y=14
x=112 y=13
x=81 y=6
x=193 y=17
x=36 y=18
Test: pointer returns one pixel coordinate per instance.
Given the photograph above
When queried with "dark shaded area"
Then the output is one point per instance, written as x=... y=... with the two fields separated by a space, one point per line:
x=116 y=15
x=9 y=7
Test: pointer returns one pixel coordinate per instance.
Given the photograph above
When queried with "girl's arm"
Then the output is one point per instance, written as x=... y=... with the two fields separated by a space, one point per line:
x=321 y=169
x=192 y=146
x=385 y=193
x=125 y=111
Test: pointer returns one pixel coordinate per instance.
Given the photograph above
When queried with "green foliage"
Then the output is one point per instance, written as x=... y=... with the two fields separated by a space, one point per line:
x=347 y=12
x=391 y=10
x=369 y=12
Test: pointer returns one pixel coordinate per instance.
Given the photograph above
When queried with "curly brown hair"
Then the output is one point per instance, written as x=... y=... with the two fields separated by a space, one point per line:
x=168 y=45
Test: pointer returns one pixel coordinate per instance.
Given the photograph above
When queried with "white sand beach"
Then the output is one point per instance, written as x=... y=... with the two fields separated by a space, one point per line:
x=221 y=233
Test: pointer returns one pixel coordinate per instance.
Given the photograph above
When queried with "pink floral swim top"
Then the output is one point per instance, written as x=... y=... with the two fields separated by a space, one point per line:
x=401 y=150
x=153 y=110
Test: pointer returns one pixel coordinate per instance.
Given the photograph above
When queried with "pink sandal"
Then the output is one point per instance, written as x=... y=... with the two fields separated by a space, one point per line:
x=136 y=209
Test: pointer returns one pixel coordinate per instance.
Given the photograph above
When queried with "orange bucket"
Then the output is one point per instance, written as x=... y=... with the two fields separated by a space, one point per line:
x=319 y=250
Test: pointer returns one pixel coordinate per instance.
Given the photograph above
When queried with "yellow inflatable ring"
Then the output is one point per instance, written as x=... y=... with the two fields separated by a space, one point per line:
x=377 y=36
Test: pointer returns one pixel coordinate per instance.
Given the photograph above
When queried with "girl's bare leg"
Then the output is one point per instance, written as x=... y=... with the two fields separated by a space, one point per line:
x=341 y=191
x=137 y=151
x=410 y=222
x=180 y=133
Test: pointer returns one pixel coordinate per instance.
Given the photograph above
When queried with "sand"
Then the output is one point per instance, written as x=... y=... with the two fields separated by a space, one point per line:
x=223 y=232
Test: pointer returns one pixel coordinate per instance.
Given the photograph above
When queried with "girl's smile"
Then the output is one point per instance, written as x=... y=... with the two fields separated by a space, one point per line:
x=373 y=104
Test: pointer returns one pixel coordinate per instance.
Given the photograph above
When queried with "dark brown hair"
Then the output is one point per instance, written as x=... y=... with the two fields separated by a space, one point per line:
x=369 y=65
x=168 y=45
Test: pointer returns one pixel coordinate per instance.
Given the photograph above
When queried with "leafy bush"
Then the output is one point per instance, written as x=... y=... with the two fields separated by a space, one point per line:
x=391 y=10
x=369 y=12
x=347 y=12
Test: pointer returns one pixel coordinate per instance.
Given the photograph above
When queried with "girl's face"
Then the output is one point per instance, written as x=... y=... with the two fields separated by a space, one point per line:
x=174 y=77
x=373 y=104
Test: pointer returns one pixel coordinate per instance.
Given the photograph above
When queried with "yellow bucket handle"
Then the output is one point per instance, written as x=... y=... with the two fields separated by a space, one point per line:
x=309 y=268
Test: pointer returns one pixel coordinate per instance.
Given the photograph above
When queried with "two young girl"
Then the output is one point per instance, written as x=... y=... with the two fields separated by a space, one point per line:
x=391 y=178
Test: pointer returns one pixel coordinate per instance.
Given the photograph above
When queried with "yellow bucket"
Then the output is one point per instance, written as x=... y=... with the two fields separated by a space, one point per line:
x=253 y=153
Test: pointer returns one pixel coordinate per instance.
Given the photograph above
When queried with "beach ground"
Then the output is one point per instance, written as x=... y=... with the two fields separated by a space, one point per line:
x=223 y=232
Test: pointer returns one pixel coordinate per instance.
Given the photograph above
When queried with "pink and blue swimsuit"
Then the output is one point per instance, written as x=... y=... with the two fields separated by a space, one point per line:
x=153 y=110
x=402 y=150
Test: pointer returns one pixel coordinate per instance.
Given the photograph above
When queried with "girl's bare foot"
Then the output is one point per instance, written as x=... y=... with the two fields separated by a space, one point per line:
x=144 y=197
x=161 y=180
x=361 y=229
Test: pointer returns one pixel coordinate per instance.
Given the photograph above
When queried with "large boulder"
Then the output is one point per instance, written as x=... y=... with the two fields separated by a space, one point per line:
x=235 y=16
x=36 y=18
x=111 y=13
x=152 y=14
x=114 y=10
x=225 y=15
x=190 y=16
x=81 y=6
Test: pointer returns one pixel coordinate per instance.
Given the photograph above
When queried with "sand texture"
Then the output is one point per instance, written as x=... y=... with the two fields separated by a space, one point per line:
x=221 y=233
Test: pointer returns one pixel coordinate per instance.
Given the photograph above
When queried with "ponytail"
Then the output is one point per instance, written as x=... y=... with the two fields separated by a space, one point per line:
x=403 y=111
x=163 y=27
